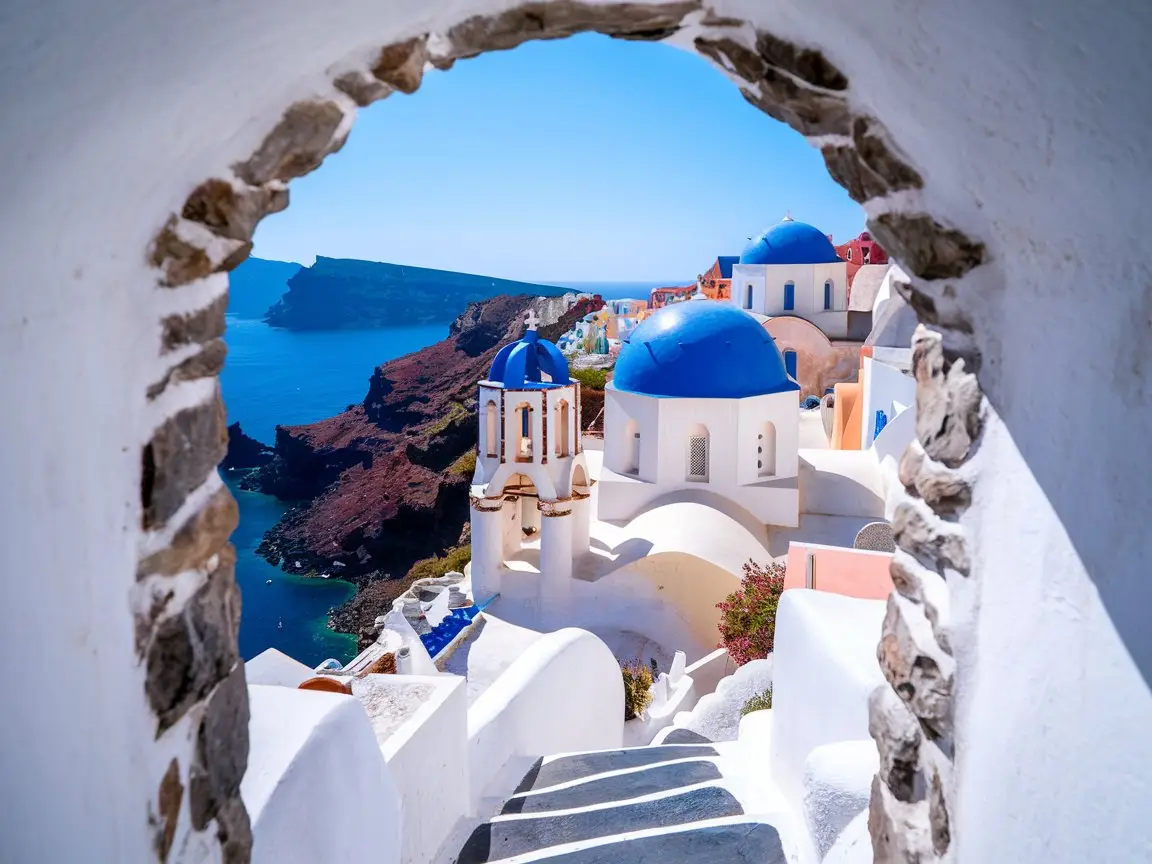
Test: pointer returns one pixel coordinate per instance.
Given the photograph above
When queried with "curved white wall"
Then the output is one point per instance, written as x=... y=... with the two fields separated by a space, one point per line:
x=564 y=693
x=317 y=787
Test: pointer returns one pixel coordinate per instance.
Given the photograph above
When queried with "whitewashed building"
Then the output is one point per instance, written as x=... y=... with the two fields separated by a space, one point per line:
x=530 y=475
x=793 y=269
x=701 y=403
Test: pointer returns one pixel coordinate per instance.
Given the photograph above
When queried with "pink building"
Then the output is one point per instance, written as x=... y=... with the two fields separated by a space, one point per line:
x=852 y=572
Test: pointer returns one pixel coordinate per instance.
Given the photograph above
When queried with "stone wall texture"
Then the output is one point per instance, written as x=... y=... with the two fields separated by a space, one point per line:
x=188 y=639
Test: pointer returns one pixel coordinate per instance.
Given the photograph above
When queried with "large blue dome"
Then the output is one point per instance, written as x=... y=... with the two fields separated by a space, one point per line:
x=701 y=349
x=790 y=243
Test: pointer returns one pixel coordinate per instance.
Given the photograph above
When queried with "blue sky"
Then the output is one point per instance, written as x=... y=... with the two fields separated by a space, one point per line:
x=586 y=159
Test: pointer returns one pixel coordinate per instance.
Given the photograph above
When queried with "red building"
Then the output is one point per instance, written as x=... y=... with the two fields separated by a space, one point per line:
x=863 y=250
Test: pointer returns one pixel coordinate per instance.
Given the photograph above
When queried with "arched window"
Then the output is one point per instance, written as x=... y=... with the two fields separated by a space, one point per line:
x=828 y=294
x=789 y=296
x=766 y=450
x=491 y=429
x=698 y=454
x=562 y=427
x=790 y=362
x=631 y=447
x=748 y=298
x=524 y=448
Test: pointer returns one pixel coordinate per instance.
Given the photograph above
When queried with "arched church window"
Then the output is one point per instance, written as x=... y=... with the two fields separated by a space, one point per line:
x=491 y=429
x=632 y=447
x=524 y=446
x=698 y=454
x=828 y=294
x=766 y=450
x=748 y=298
x=562 y=428
x=789 y=296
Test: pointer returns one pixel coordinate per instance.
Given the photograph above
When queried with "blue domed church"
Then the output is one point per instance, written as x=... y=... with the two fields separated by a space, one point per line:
x=793 y=269
x=701 y=403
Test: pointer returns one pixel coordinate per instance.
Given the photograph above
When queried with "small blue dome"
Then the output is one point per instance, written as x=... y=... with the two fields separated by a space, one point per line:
x=519 y=364
x=790 y=242
x=701 y=349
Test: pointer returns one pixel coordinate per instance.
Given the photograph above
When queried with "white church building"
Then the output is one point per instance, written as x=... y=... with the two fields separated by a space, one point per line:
x=793 y=269
x=701 y=404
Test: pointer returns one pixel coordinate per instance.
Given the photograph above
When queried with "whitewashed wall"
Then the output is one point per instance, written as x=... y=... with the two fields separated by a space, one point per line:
x=885 y=389
x=665 y=427
x=115 y=111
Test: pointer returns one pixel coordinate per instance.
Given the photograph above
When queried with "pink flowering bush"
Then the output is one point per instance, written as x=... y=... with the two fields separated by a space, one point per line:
x=748 y=616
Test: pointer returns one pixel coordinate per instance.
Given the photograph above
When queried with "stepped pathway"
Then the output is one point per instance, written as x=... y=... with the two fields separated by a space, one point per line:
x=687 y=800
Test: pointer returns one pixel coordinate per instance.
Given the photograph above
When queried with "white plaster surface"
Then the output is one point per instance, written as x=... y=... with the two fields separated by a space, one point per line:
x=565 y=694
x=717 y=715
x=276 y=667
x=136 y=103
x=824 y=669
x=837 y=786
x=428 y=758
x=317 y=786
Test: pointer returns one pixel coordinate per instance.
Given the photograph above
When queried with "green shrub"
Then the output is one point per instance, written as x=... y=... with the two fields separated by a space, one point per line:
x=456 y=413
x=465 y=465
x=438 y=565
x=637 y=681
x=759 y=702
x=748 y=616
x=594 y=378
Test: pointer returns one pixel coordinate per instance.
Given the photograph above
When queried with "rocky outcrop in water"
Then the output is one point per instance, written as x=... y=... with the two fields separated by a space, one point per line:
x=386 y=482
x=245 y=452
x=344 y=294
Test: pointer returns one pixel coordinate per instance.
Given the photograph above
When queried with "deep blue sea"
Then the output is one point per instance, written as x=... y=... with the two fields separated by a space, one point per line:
x=279 y=377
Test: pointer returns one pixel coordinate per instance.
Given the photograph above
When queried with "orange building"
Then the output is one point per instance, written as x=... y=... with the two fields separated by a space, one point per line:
x=663 y=296
x=716 y=283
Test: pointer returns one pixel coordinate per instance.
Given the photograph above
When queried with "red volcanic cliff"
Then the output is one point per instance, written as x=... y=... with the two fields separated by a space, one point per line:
x=381 y=483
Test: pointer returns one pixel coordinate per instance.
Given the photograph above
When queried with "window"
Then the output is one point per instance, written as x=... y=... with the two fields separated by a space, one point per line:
x=698 y=454
x=828 y=294
x=866 y=253
x=766 y=450
x=524 y=450
x=748 y=298
x=562 y=428
x=849 y=253
x=789 y=296
x=630 y=444
x=491 y=430
x=790 y=362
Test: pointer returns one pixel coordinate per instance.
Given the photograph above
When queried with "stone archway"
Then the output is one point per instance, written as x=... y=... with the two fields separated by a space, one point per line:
x=187 y=639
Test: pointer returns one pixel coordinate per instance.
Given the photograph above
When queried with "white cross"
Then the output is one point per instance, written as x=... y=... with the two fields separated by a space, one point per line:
x=531 y=321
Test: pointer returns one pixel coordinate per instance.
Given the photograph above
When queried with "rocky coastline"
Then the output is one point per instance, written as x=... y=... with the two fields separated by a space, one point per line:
x=385 y=483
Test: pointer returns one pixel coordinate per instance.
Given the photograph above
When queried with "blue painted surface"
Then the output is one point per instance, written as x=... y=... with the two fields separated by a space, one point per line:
x=448 y=629
x=726 y=262
x=789 y=296
x=827 y=295
x=790 y=243
x=519 y=364
x=790 y=362
x=701 y=349
x=881 y=422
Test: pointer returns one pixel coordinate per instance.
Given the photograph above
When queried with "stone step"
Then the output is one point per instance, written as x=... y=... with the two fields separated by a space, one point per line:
x=522 y=834
x=578 y=766
x=732 y=842
x=684 y=736
x=601 y=789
